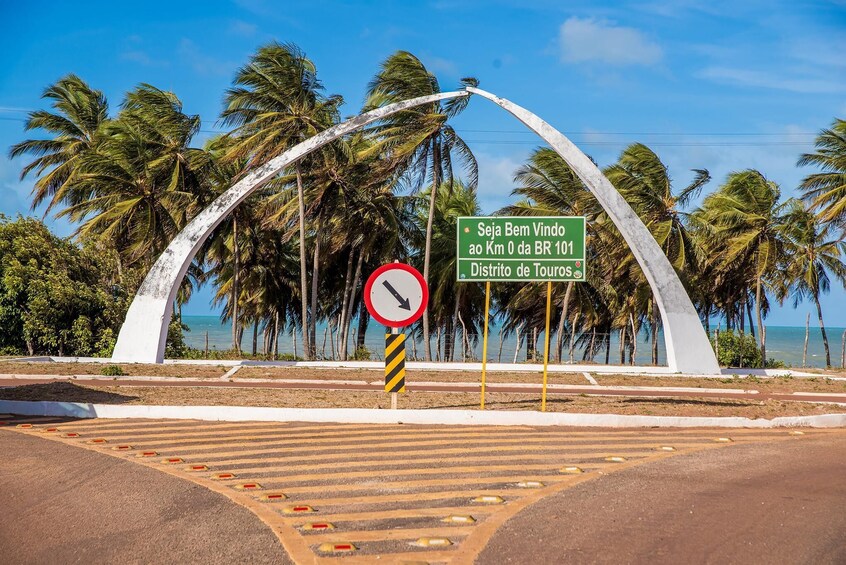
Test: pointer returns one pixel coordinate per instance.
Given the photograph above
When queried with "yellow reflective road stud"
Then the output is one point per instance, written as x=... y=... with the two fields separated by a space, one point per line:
x=394 y=362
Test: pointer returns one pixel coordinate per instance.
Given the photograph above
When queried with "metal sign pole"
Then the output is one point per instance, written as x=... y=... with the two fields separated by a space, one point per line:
x=485 y=341
x=546 y=343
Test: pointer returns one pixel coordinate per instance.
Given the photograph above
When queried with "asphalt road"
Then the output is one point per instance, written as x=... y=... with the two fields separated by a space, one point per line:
x=62 y=504
x=755 y=503
x=155 y=491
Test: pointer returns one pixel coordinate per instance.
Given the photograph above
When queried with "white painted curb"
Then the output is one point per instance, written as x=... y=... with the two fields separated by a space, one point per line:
x=368 y=416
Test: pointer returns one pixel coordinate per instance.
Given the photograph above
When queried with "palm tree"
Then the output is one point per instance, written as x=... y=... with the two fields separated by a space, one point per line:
x=75 y=126
x=453 y=303
x=144 y=182
x=813 y=258
x=420 y=143
x=645 y=183
x=275 y=103
x=551 y=188
x=826 y=191
x=745 y=217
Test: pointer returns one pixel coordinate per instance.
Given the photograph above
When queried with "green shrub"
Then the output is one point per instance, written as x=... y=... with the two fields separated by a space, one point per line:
x=112 y=371
x=736 y=347
x=288 y=357
x=361 y=353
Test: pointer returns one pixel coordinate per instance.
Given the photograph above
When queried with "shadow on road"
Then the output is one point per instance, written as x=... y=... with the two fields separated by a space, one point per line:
x=683 y=401
x=63 y=392
x=521 y=402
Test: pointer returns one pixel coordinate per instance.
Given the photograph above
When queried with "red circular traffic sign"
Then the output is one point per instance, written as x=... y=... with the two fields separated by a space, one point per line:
x=396 y=295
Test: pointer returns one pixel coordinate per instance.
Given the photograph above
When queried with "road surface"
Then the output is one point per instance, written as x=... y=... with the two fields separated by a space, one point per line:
x=341 y=493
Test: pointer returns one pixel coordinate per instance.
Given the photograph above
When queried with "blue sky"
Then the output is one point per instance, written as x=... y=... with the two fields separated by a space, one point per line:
x=707 y=84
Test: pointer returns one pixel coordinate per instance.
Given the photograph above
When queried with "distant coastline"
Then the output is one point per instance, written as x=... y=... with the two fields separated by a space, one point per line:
x=784 y=343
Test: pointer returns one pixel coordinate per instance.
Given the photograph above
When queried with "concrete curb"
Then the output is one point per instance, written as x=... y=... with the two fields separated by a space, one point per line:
x=429 y=417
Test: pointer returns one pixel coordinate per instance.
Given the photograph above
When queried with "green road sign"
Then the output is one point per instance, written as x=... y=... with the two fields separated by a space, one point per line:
x=498 y=248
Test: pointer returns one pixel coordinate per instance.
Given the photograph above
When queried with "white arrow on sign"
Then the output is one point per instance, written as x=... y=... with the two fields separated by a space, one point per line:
x=396 y=295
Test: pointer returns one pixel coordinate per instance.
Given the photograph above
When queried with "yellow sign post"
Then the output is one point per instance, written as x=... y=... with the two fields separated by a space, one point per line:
x=485 y=340
x=546 y=343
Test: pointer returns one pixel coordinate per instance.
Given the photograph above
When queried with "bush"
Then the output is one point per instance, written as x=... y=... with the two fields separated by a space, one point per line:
x=112 y=371
x=736 y=347
x=361 y=353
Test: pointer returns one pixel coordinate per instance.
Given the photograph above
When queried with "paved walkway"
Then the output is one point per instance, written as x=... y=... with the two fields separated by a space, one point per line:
x=340 y=492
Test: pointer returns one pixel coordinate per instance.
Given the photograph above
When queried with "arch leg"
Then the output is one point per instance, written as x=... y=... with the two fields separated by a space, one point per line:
x=688 y=348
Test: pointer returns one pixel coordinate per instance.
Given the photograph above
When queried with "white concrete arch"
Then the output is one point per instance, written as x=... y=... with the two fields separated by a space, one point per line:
x=143 y=334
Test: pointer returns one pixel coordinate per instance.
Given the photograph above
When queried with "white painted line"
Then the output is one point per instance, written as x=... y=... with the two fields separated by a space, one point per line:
x=231 y=372
x=368 y=416
x=818 y=394
x=590 y=379
x=32 y=377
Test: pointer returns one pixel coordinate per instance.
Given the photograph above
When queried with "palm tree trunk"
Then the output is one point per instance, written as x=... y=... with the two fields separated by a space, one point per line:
x=463 y=338
x=325 y=335
x=314 y=281
x=436 y=169
x=346 y=298
x=592 y=344
x=749 y=314
x=822 y=330
x=623 y=345
x=761 y=321
x=559 y=339
x=843 y=351
x=499 y=356
x=530 y=345
x=807 y=335
x=236 y=268
x=655 y=332
x=449 y=337
x=517 y=347
x=571 y=356
x=303 y=281
x=255 y=337
x=275 y=335
x=363 y=320
x=343 y=346
x=633 y=353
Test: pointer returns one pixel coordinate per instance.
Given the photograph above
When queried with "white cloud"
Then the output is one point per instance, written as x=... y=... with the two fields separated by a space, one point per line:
x=242 y=28
x=776 y=79
x=496 y=180
x=142 y=58
x=201 y=63
x=440 y=65
x=585 y=40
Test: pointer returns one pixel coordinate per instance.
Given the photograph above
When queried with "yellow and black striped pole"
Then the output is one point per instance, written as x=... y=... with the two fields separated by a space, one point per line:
x=394 y=362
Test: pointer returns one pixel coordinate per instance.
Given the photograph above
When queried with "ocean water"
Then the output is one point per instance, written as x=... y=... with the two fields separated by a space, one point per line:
x=784 y=343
